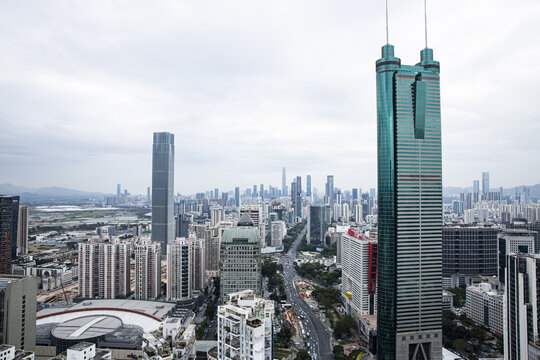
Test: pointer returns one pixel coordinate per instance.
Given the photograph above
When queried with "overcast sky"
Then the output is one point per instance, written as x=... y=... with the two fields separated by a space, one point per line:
x=248 y=87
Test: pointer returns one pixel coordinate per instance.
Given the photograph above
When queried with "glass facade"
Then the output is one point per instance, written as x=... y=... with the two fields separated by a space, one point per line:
x=410 y=208
x=9 y=215
x=163 y=189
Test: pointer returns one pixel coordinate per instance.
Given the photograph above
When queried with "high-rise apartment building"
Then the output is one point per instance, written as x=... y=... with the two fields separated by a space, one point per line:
x=22 y=230
x=359 y=273
x=198 y=268
x=179 y=280
x=329 y=189
x=308 y=186
x=245 y=327
x=476 y=191
x=284 y=182
x=469 y=250
x=182 y=224
x=345 y=212
x=514 y=241
x=216 y=215
x=278 y=232
x=409 y=303
x=240 y=258
x=9 y=215
x=147 y=271
x=485 y=182
x=316 y=224
x=163 y=189
x=118 y=190
x=104 y=270
x=358 y=213
x=296 y=198
x=522 y=303
x=18 y=315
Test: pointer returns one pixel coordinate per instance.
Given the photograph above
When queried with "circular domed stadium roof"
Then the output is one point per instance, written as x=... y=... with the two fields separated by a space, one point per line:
x=86 y=327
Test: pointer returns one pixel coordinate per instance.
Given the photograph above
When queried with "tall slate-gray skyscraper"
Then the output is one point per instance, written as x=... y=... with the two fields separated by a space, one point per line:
x=308 y=186
x=409 y=303
x=284 y=182
x=237 y=197
x=163 y=189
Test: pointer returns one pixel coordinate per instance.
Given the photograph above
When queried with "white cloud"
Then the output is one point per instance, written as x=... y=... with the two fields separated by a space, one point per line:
x=250 y=86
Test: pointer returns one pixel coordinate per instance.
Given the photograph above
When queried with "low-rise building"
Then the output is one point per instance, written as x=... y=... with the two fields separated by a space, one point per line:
x=9 y=352
x=484 y=305
x=447 y=300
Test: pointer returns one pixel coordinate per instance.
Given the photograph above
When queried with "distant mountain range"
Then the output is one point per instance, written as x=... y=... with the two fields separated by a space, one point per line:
x=47 y=193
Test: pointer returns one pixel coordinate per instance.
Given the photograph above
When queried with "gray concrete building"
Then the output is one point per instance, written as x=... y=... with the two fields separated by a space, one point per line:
x=22 y=231
x=18 y=315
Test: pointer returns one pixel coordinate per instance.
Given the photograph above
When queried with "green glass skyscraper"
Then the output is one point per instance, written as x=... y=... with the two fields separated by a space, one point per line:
x=409 y=303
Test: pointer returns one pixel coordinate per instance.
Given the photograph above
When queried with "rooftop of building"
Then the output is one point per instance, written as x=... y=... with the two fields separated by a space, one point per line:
x=146 y=314
x=470 y=226
x=5 y=347
x=7 y=278
x=248 y=235
x=86 y=327
x=83 y=345
x=485 y=288
x=205 y=345
x=518 y=232
x=370 y=321
x=245 y=220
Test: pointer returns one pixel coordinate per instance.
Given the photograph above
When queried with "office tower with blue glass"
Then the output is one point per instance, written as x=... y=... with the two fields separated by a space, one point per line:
x=163 y=189
x=409 y=304
x=308 y=186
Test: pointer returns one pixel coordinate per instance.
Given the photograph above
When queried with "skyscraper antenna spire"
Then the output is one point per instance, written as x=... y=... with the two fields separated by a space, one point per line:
x=387 y=42
x=425 y=18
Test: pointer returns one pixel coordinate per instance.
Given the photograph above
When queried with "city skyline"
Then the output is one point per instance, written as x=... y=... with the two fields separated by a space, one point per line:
x=291 y=91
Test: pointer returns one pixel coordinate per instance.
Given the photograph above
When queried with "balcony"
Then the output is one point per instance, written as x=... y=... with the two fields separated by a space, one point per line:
x=234 y=343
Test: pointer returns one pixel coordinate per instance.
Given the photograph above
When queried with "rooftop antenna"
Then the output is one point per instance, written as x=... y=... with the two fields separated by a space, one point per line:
x=387 y=42
x=425 y=18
